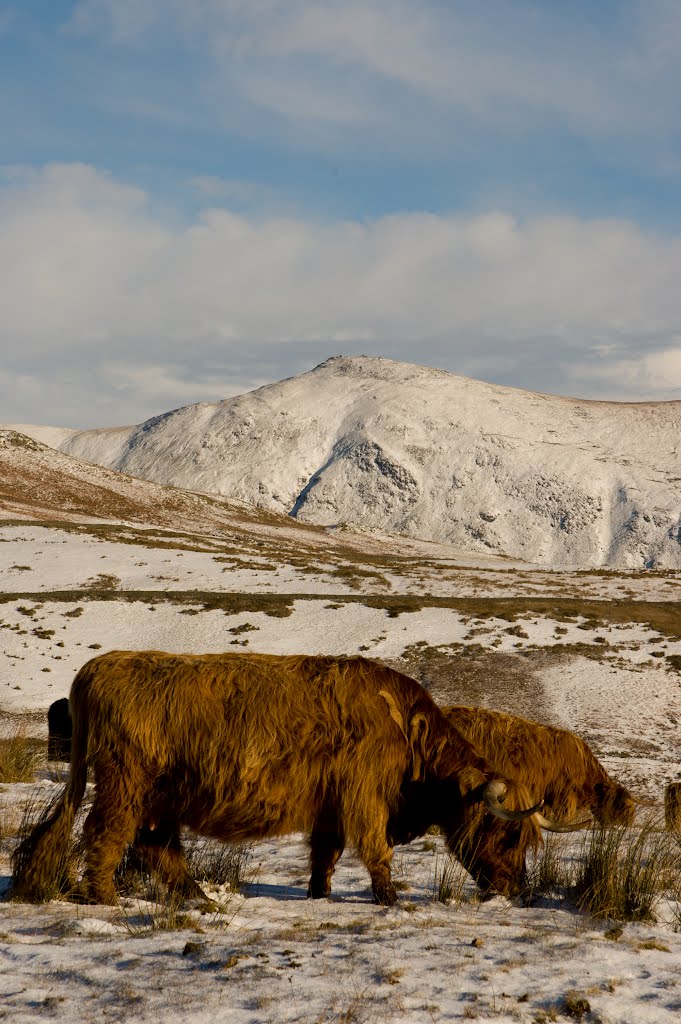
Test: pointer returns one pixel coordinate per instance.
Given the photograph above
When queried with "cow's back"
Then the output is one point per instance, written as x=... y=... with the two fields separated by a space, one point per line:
x=247 y=737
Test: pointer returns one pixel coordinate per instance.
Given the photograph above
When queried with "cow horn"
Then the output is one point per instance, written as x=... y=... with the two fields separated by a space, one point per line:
x=494 y=795
x=393 y=710
x=561 y=826
x=643 y=802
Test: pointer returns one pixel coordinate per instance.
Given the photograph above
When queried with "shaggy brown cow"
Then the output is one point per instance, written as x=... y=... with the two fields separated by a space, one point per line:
x=553 y=764
x=59 y=731
x=241 y=746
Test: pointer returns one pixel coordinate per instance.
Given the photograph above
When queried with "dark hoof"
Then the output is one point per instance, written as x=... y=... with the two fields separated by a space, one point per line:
x=386 y=896
x=205 y=905
x=318 y=892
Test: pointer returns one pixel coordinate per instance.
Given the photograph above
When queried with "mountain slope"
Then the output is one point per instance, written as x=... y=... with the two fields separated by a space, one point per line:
x=419 y=451
x=40 y=484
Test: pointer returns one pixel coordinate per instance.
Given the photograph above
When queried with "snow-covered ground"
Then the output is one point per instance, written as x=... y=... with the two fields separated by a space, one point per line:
x=273 y=955
x=64 y=596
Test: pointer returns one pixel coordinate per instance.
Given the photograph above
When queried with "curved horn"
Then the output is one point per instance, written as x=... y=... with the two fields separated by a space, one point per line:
x=393 y=710
x=562 y=826
x=494 y=795
x=643 y=802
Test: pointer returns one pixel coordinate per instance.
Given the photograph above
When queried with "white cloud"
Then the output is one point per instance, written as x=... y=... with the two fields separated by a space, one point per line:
x=507 y=63
x=653 y=373
x=89 y=279
x=659 y=24
x=72 y=242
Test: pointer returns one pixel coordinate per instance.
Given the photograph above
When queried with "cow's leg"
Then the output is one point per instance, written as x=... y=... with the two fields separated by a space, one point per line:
x=326 y=845
x=377 y=855
x=110 y=826
x=161 y=849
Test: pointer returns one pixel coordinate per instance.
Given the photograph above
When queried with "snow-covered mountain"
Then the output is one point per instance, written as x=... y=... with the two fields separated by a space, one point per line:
x=419 y=451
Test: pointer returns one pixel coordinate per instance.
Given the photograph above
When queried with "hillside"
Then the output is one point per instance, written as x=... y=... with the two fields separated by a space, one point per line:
x=92 y=559
x=41 y=485
x=428 y=454
x=599 y=652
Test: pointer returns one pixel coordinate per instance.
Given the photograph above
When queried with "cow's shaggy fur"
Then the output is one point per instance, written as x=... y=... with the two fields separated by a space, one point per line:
x=554 y=764
x=241 y=746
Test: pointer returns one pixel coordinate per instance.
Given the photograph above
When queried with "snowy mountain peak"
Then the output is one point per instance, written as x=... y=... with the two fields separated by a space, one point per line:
x=414 y=450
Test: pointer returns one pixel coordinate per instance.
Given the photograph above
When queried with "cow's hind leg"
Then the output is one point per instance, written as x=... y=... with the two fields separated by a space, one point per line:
x=161 y=849
x=326 y=845
x=109 y=828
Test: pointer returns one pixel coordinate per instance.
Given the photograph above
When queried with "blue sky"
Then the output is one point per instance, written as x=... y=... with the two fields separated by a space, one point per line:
x=198 y=198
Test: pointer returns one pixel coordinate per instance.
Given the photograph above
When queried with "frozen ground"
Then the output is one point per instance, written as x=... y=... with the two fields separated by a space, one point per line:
x=595 y=652
x=275 y=956
x=66 y=595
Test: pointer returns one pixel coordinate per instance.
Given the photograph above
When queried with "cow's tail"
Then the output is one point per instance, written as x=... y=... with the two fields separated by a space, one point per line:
x=43 y=865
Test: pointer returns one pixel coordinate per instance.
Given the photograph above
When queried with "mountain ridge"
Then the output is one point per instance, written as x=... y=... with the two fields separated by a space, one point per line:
x=423 y=452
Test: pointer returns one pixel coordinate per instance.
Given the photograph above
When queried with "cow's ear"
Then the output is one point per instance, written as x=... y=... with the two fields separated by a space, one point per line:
x=418 y=735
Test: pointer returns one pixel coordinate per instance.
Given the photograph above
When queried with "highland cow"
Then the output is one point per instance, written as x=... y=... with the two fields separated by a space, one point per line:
x=59 y=731
x=243 y=746
x=554 y=764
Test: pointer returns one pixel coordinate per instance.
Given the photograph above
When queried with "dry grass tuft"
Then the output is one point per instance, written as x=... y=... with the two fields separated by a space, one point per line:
x=622 y=872
x=450 y=881
x=20 y=757
x=158 y=911
x=548 y=874
x=57 y=876
x=576 y=1005
x=219 y=863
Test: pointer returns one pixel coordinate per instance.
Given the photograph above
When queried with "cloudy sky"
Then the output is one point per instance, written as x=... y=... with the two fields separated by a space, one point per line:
x=200 y=197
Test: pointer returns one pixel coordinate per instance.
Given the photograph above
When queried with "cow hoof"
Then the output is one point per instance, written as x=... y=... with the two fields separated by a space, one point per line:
x=318 y=893
x=386 y=896
x=188 y=891
x=87 y=897
x=205 y=905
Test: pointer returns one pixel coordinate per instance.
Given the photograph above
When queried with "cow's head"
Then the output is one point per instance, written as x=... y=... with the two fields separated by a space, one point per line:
x=489 y=822
x=492 y=833
x=613 y=804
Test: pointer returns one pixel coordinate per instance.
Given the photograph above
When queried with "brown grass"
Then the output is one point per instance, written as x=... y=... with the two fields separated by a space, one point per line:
x=477 y=675
x=279 y=605
x=60 y=864
x=548 y=874
x=21 y=756
x=661 y=616
x=219 y=863
x=622 y=872
x=451 y=879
